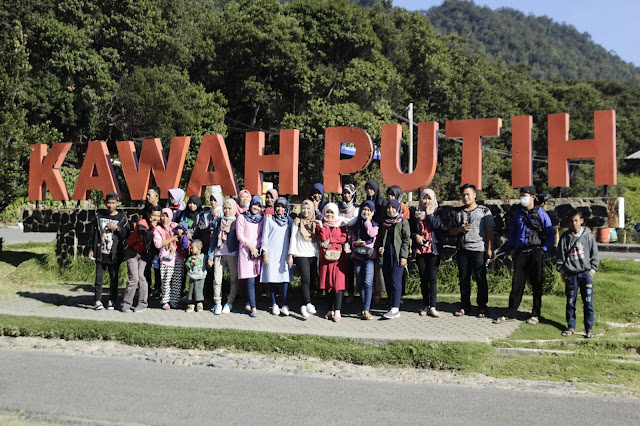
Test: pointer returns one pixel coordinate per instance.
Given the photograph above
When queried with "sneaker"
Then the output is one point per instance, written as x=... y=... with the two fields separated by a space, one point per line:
x=140 y=308
x=190 y=308
x=337 y=317
x=311 y=309
x=275 y=310
x=166 y=307
x=98 y=306
x=226 y=309
x=217 y=310
x=199 y=307
x=304 y=312
x=125 y=309
x=167 y=257
x=285 y=310
x=392 y=314
x=110 y=306
x=433 y=313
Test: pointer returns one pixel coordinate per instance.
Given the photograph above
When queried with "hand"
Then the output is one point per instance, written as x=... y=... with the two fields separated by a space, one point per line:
x=381 y=251
x=296 y=221
x=193 y=262
x=326 y=243
x=90 y=254
x=565 y=276
x=290 y=261
x=465 y=228
x=403 y=262
x=175 y=238
x=419 y=240
x=210 y=262
x=368 y=219
x=359 y=243
x=512 y=253
x=319 y=223
x=265 y=258
x=112 y=226
x=489 y=254
x=591 y=274
x=214 y=213
x=254 y=252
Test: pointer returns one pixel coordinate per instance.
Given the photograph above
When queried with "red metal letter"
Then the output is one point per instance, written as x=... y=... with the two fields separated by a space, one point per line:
x=213 y=151
x=96 y=172
x=602 y=148
x=521 y=155
x=471 y=132
x=286 y=163
x=44 y=171
x=152 y=159
x=426 y=156
x=334 y=167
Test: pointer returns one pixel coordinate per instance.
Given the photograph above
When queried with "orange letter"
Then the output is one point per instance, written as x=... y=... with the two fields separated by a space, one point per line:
x=44 y=171
x=334 y=167
x=286 y=163
x=471 y=132
x=152 y=159
x=602 y=148
x=212 y=151
x=521 y=158
x=426 y=156
x=96 y=172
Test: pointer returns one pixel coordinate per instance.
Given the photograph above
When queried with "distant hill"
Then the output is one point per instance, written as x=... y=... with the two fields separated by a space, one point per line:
x=544 y=46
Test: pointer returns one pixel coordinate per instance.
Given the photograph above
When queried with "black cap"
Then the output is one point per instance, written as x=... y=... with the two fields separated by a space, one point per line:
x=530 y=189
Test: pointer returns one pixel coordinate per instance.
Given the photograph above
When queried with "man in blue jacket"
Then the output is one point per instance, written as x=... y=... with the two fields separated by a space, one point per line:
x=530 y=236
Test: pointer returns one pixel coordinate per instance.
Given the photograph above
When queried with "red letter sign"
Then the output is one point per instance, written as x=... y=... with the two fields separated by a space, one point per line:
x=286 y=163
x=44 y=171
x=96 y=172
x=334 y=167
x=212 y=151
x=521 y=156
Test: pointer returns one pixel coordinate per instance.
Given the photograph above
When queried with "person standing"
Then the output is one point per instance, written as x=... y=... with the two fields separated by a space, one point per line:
x=363 y=254
x=473 y=224
x=249 y=226
x=531 y=235
x=303 y=251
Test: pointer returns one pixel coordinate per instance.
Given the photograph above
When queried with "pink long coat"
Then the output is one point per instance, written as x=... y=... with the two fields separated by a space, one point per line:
x=250 y=233
x=332 y=274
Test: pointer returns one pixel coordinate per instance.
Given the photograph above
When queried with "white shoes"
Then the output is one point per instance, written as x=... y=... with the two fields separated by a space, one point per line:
x=304 y=312
x=285 y=310
x=275 y=310
x=311 y=309
x=226 y=309
x=392 y=314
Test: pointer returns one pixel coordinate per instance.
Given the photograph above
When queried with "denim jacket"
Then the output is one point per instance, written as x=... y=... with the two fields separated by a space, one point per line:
x=232 y=239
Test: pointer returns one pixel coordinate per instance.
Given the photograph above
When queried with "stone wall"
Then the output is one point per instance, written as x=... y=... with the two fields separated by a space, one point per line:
x=74 y=225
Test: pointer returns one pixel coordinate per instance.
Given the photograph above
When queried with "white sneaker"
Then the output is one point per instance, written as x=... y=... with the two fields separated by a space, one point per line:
x=392 y=314
x=110 y=306
x=217 y=310
x=226 y=309
x=311 y=309
x=304 y=312
x=285 y=310
x=275 y=310
x=98 y=306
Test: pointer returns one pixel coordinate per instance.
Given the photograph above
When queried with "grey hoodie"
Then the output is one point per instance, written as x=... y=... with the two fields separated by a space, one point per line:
x=583 y=256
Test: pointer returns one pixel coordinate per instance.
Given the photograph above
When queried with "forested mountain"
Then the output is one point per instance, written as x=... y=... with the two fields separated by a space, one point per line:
x=82 y=70
x=544 y=47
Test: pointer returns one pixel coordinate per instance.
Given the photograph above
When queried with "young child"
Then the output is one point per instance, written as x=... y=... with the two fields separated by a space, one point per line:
x=223 y=252
x=392 y=246
x=577 y=261
x=276 y=268
x=197 y=271
x=170 y=273
x=332 y=233
x=303 y=250
x=105 y=242
x=249 y=231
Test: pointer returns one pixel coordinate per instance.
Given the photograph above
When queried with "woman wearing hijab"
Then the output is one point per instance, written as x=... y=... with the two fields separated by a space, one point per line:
x=332 y=234
x=317 y=196
x=426 y=234
x=276 y=268
x=244 y=198
x=349 y=213
x=395 y=192
x=176 y=203
x=372 y=190
x=223 y=253
x=363 y=234
x=191 y=214
x=392 y=245
x=270 y=198
x=303 y=251
x=249 y=227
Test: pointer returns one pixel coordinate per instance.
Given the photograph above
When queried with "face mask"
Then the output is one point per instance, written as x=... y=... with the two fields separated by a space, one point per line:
x=525 y=201
x=364 y=216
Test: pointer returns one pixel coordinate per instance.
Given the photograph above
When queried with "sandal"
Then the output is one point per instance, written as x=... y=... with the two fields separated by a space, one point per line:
x=367 y=315
x=568 y=332
x=460 y=312
x=328 y=315
x=482 y=313
x=533 y=320
x=590 y=334
x=500 y=320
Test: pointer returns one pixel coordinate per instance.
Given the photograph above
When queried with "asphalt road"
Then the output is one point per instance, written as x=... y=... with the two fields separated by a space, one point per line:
x=15 y=235
x=91 y=389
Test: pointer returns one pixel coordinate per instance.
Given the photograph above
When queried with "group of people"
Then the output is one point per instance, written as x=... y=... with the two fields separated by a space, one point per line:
x=337 y=247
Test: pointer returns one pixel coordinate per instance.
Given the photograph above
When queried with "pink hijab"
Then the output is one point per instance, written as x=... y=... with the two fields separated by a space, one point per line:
x=242 y=209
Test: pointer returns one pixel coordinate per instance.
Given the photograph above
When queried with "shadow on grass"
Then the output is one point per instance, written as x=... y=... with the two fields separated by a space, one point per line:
x=15 y=258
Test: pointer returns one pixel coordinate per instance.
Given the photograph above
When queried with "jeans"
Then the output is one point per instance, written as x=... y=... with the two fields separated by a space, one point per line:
x=526 y=264
x=136 y=268
x=583 y=282
x=251 y=291
x=273 y=289
x=308 y=269
x=428 y=264
x=364 y=278
x=113 y=269
x=392 y=275
x=472 y=262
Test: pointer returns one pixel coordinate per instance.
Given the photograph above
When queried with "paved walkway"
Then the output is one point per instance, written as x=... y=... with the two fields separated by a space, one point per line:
x=77 y=301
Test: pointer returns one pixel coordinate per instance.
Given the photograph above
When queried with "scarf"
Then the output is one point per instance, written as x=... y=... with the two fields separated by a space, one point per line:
x=178 y=196
x=254 y=218
x=241 y=208
x=337 y=221
x=192 y=215
x=347 y=208
x=282 y=219
x=421 y=212
x=392 y=220
x=227 y=222
x=307 y=225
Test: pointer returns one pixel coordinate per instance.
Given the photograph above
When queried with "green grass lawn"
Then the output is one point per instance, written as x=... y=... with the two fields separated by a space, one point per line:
x=609 y=362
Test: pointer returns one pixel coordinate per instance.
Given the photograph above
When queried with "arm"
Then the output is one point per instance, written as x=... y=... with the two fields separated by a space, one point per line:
x=353 y=220
x=547 y=231
x=594 y=256
x=372 y=231
x=121 y=230
x=405 y=234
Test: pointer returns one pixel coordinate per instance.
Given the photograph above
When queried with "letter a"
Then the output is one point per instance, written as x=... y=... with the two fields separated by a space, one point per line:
x=96 y=172
x=212 y=151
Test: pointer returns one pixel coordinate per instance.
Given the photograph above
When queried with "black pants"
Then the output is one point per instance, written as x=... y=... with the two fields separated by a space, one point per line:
x=335 y=300
x=113 y=269
x=472 y=262
x=156 y=275
x=526 y=264
x=428 y=264
x=350 y=277
x=308 y=268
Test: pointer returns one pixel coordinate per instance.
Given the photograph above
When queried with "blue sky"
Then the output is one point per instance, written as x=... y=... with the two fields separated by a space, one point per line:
x=614 y=24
